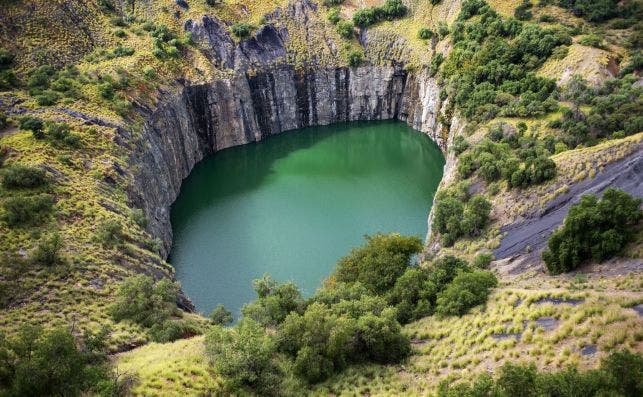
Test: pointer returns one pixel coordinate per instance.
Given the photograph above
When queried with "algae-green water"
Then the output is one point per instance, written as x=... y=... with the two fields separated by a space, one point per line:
x=295 y=203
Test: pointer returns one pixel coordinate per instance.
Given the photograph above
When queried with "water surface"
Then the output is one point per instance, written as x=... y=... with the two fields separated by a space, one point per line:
x=293 y=204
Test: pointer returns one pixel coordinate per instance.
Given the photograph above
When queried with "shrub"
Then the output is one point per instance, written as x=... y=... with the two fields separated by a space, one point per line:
x=6 y=58
x=483 y=260
x=241 y=30
x=523 y=11
x=355 y=58
x=443 y=29
x=467 y=290
x=425 y=33
x=47 y=253
x=110 y=233
x=121 y=51
x=23 y=177
x=38 y=363
x=274 y=301
x=459 y=145
x=453 y=218
x=33 y=124
x=345 y=29
x=379 y=263
x=213 y=3
x=47 y=98
x=592 y=10
x=391 y=9
x=171 y=330
x=221 y=316
x=593 y=229
x=244 y=356
x=330 y=3
x=591 y=40
x=25 y=211
x=333 y=16
x=144 y=301
x=106 y=90
x=436 y=62
x=622 y=379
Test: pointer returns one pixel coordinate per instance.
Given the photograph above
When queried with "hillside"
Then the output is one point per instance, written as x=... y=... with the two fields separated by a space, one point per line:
x=107 y=105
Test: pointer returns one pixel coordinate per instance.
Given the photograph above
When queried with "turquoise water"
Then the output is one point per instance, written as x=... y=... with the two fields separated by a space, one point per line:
x=293 y=204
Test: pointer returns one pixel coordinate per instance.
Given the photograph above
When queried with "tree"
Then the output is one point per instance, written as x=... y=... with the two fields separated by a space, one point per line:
x=34 y=125
x=275 y=301
x=221 y=316
x=244 y=357
x=39 y=363
x=144 y=301
x=468 y=289
x=378 y=263
x=593 y=229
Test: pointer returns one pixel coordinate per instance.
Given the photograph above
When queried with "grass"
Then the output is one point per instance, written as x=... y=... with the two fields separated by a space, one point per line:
x=172 y=369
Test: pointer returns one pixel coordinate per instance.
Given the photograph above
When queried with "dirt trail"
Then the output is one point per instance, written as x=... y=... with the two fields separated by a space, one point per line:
x=525 y=239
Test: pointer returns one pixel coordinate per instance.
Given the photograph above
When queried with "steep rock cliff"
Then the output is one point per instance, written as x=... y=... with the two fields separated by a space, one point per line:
x=203 y=119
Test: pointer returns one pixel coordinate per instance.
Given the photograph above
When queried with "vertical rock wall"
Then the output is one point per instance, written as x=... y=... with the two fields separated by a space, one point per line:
x=204 y=119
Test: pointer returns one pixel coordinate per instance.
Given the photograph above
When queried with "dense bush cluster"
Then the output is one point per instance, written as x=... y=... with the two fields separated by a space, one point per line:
x=593 y=229
x=23 y=177
x=152 y=304
x=619 y=374
x=592 y=10
x=48 y=85
x=8 y=77
x=356 y=317
x=456 y=214
x=390 y=10
x=512 y=156
x=616 y=110
x=166 y=44
x=241 y=30
x=39 y=363
x=20 y=211
x=491 y=70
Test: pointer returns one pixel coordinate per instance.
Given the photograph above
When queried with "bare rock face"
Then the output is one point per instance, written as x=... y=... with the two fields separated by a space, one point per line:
x=204 y=119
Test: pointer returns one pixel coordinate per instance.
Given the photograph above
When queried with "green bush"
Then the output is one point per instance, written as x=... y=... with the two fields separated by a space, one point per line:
x=523 y=11
x=6 y=58
x=591 y=40
x=144 y=301
x=106 y=90
x=171 y=330
x=454 y=219
x=355 y=58
x=241 y=30
x=274 y=301
x=379 y=263
x=391 y=9
x=593 y=229
x=619 y=374
x=491 y=70
x=345 y=29
x=27 y=211
x=23 y=177
x=38 y=363
x=333 y=16
x=592 y=10
x=221 y=316
x=121 y=51
x=425 y=33
x=467 y=290
x=48 y=251
x=436 y=62
x=110 y=233
x=33 y=124
x=245 y=357
x=483 y=260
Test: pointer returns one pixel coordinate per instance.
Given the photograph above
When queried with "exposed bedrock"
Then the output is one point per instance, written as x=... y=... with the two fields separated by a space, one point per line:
x=526 y=238
x=203 y=119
